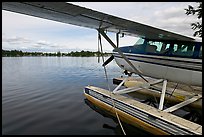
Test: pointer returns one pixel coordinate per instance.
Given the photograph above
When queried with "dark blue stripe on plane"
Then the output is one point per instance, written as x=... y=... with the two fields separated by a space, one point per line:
x=195 y=69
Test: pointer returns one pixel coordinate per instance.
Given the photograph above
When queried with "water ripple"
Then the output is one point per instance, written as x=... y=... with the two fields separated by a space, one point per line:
x=44 y=95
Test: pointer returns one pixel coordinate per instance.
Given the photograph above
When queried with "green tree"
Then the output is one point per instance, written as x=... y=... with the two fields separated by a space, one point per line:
x=196 y=25
x=58 y=54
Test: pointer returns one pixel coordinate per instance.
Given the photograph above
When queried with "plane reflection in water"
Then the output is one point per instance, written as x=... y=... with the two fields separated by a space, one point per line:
x=129 y=129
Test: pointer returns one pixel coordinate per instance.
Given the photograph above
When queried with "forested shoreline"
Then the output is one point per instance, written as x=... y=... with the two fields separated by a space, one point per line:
x=19 y=53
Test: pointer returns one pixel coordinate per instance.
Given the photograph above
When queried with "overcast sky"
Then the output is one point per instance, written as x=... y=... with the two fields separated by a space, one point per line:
x=26 y=33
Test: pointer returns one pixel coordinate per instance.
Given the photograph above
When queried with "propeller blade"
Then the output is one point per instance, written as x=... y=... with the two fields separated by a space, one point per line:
x=108 y=60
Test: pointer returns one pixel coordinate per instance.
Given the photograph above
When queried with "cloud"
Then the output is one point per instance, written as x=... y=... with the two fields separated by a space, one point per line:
x=42 y=42
x=174 y=19
x=15 y=40
x=165 y=15
x=20 y=24
x=169 y=16
x=88 y=42
x=22 y=43
x=31 y=33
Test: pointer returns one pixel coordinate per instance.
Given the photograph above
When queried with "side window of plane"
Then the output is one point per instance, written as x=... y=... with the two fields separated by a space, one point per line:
x=157 y=47
x=151 y=47
x=185 y=50
x=177 y=50
x=165 y=48
x=200 y=53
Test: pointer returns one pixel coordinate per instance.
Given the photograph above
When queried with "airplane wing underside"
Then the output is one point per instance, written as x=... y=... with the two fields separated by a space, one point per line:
x=81 y=16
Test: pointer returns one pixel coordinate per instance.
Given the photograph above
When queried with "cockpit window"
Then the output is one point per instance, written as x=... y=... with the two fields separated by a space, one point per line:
x=139 y=46
x=139 y=42
x=157 y=47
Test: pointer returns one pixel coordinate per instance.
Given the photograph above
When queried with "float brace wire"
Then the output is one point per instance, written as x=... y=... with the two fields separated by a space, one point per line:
x=100 y=43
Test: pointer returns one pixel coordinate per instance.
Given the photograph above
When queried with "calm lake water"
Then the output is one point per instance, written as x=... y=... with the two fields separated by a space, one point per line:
x=44 y=95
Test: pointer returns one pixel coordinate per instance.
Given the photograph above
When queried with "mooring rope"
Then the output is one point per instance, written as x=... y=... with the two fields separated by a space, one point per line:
x=106 y=75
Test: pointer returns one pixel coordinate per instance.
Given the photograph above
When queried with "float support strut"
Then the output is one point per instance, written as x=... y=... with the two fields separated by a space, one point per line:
x=120 y=52
x=161 y=103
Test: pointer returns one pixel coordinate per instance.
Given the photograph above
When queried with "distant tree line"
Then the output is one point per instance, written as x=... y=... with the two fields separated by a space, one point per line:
x=19 y=53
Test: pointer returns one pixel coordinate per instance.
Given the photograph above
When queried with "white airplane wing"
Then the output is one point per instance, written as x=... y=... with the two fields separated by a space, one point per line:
x=81 y=16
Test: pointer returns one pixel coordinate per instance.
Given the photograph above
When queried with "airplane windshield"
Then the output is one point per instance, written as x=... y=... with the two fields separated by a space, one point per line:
x=139 y=42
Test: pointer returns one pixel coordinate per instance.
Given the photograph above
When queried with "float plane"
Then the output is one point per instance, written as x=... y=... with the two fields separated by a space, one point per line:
x=160 y=54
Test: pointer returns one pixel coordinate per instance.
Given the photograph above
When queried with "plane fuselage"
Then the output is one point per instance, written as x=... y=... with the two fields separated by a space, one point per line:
x=172 y=60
